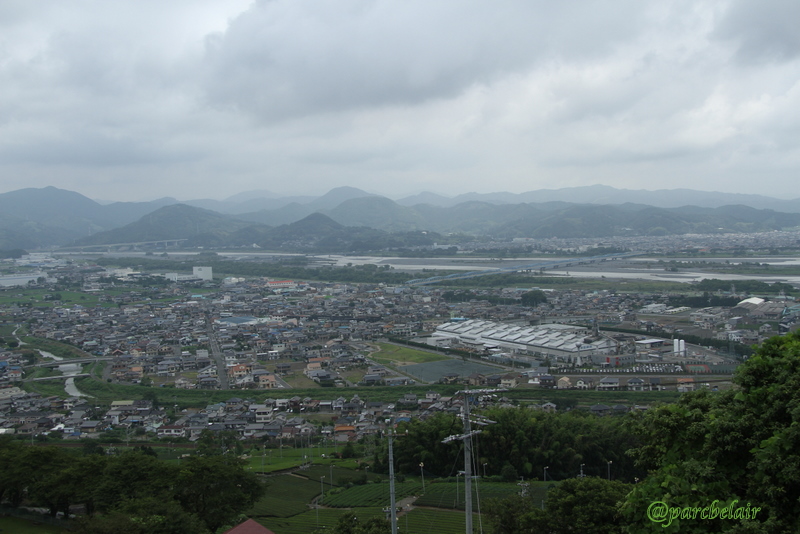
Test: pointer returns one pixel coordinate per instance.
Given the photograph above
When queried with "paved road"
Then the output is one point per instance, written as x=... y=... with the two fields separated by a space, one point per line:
x=216 y=353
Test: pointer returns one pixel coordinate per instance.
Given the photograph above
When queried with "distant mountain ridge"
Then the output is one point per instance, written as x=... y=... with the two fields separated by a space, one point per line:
x=603 y=194
x=50 y=217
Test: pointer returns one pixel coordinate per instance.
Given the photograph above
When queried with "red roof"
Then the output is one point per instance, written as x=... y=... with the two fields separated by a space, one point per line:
x=249 y=527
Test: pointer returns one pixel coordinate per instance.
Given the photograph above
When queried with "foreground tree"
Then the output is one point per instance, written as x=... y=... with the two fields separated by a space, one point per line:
x=587 y=505
x=349 y=523
x=217 y=489
x=739 y=446
x=148 y=515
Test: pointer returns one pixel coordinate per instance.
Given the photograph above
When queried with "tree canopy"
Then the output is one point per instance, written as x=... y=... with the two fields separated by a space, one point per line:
x=736 y=446
x=130 y=492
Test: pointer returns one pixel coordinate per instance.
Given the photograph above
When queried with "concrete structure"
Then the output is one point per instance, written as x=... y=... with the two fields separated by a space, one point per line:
x=203 y=273
x=554 y=340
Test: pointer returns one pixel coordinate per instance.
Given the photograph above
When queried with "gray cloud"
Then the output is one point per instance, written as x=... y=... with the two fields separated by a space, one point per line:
x=200 y=98
x=763 y=31
x=282 y=59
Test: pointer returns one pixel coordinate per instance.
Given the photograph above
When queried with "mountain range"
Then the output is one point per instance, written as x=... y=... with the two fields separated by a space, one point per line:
x=347 y=219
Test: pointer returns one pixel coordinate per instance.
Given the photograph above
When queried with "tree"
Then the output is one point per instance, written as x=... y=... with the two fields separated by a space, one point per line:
x=148 y=515
x=586 y=505
x=216 y=489
x=134 y=475
x=738 y=445
x=533 y=297
x=349 y=523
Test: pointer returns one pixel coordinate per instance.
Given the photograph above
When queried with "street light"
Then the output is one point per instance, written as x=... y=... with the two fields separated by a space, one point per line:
x=484 y=470
x=609 y=468
x=422 y=474
x=545 y=473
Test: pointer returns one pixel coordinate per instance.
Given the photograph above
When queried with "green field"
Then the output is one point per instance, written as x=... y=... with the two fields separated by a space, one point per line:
x=104 y=393
x=286 y=496
x=451 y=494
x=308 y=522
x=372 y=495
x=428 y=521
x=43 y=297
x=395 y=355
x=417 y=521
x=288 y=457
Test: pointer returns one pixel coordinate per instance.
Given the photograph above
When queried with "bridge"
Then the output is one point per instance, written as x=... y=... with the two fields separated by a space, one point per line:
x=60 y=377
x=109 y=247
x=67 y=361
x=538 y=266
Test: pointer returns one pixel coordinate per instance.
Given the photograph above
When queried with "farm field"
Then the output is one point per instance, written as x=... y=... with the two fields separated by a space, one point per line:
x=429 y=521
x=287 y=458
x=372 y=495
x=286 y=496
x=417 y=521
x=307 y=522
x=451 y=494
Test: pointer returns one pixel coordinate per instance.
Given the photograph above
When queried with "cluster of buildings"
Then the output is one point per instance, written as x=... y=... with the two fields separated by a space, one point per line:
x=273 y=420
x=251 y=333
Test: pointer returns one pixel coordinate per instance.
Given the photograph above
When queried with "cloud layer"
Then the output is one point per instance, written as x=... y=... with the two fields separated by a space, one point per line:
x=136 y=100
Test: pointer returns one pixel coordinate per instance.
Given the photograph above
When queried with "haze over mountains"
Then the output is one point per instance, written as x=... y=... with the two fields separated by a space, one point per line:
x=346 y=218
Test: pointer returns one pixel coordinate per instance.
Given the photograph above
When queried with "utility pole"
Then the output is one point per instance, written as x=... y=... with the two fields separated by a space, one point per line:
x=392 y=505
x=466 y=437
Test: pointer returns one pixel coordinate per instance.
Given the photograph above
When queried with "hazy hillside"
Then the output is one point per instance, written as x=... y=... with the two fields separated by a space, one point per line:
x=351 y=219
x=178 y=221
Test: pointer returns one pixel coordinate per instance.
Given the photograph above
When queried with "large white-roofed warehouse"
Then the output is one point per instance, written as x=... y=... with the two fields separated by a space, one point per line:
x=557 y=340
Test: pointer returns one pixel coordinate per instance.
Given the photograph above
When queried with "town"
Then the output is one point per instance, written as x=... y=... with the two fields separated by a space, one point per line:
x=98 y=354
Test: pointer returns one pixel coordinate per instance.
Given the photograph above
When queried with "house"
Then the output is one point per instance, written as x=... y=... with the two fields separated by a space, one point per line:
x=547 y=381
x=549 y=407
x=264 y=379
x=600 y=409
x=564 y=383
x=508 y=381
x=686 y=384
x=608 y=383
x=171 y=431
x=91 y=427
x=476 y=379
x=636 y=384
x=584 y=383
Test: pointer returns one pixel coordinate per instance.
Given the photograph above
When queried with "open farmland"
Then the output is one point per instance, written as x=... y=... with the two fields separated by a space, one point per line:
x=311 y=520
x=451 y=494
x=286 y=496
x=429 y=521
x=372 y=495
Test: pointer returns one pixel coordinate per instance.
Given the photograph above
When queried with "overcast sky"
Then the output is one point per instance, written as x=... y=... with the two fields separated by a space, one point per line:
x=139 y=99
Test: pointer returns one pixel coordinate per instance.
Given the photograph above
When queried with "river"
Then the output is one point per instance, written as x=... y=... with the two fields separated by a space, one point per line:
x=69 y=370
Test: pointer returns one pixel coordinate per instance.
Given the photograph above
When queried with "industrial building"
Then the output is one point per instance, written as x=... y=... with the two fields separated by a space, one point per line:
x=560 y=341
